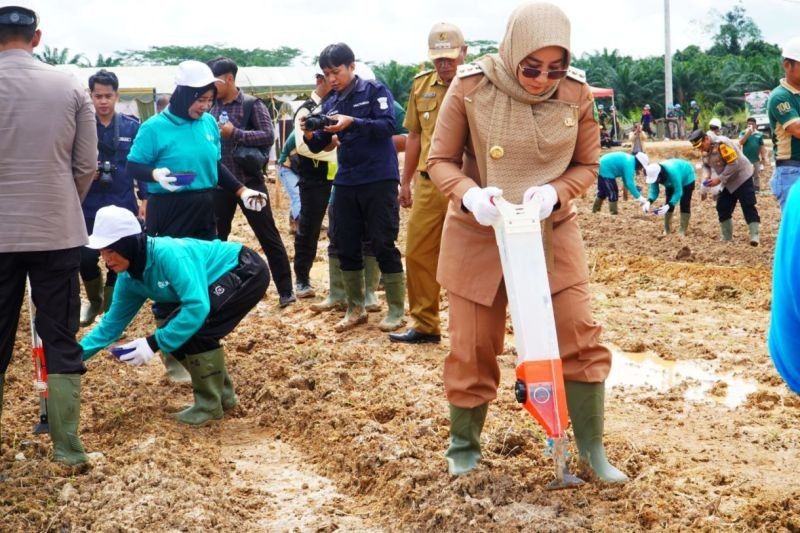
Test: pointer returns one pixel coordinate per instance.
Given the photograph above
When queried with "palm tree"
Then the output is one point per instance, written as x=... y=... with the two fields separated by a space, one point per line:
x=397 y=78
x=107 y=61
x=54 y=56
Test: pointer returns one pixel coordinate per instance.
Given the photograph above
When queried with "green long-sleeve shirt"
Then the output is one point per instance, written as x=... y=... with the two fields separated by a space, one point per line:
x=680 y=173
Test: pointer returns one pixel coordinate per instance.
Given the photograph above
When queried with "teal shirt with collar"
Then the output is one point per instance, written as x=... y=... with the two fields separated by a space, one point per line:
x=177 y=271
x=620 y=165
x=680 y=173
x=181 y=145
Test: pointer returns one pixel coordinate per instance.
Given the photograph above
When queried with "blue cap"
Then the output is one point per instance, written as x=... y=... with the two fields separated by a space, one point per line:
x=17 y=16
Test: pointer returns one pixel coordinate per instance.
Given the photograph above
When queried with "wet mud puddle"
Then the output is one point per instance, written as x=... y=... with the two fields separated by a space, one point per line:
x=294 y=497
x=702 y=383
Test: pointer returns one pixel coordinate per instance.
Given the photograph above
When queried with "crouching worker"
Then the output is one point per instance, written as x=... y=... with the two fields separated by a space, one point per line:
x=214 y=283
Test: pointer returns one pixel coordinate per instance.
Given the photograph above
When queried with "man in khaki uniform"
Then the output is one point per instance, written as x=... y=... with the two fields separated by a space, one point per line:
x=48 y=155
x=447 y=50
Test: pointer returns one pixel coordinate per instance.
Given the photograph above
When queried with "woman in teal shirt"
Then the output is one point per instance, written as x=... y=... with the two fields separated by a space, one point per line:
x=211 y=284
x=678 y=178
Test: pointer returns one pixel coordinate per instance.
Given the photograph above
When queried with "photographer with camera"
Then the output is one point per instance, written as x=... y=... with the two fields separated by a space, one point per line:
x=111 y=186
x=366 y=206
x=248 y=125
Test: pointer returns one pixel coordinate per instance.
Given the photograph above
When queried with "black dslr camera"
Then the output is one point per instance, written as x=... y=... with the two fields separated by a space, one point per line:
x=318 y=121
x=106 y=170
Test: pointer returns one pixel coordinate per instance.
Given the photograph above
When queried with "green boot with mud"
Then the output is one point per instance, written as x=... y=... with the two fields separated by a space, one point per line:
x=726 y=230
x=613 y=207
x=177 y=372
x=207 y=370
x=108 y=298
x=684 y=223
x=229 y=398
x=354 y=292
x=753 y=228
x=336 y=297
x=94 y=295
x=466 y=425
x=395 y=285
x=668 y=222
x=63 y=413
x=598 y=203
x=372 y=278
x=586 y=405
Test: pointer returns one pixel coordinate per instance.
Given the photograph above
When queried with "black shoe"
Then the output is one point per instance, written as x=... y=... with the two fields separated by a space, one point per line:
x=286 y=299
x=413 y=336
x=303 y=289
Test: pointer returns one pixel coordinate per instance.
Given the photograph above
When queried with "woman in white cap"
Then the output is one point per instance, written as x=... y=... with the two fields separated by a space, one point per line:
x=211 y=284
x=184 y=139
x=678 y=179
x=521 y=125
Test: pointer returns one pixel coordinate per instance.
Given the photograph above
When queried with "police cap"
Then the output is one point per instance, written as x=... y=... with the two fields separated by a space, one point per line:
x=17 y=16
x=696 y=137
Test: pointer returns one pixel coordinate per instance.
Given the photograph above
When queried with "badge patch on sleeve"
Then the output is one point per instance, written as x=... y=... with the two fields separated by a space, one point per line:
x=383 y=102
x=727 y=153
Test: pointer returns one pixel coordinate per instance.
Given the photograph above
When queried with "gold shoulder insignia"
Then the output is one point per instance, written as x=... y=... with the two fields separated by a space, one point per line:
x=423 y=73
x=471 y=69
x=576 y=74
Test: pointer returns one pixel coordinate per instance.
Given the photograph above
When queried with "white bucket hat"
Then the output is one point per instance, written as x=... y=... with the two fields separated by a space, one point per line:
x=111 y=224
x=642 y=158
x=193 y=73
x=715 y=123
x=651 y=173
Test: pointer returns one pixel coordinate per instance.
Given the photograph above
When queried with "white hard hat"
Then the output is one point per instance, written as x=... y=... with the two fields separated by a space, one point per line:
x=791 y=49
x=715 y=123
x=193 y=73
x=642 y=158
x=111 y=224
x=651 y=173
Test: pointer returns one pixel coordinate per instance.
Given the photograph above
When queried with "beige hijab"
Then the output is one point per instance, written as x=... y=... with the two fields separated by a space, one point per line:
x=535 y=135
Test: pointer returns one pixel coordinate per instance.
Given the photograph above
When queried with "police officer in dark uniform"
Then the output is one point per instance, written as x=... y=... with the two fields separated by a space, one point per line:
x=362 y=116
x=112 y=185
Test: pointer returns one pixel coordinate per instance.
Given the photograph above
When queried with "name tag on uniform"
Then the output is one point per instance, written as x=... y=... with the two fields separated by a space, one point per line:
x=360 y=104
x=429 y=95
x=125 y=139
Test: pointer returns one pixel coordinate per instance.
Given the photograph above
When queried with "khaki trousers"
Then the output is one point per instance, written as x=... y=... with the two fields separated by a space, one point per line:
x=423 y=237
x=471 y=372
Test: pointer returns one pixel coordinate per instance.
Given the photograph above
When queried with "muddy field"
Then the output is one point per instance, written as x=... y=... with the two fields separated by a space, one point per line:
x=347 y=431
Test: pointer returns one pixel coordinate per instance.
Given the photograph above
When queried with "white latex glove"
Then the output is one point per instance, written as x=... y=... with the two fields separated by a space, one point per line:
x=253 y=200
x=161 y=175
x=141 y=353
x=660 y=211
x=548 y=195
x=479 y=203
x=644 y=203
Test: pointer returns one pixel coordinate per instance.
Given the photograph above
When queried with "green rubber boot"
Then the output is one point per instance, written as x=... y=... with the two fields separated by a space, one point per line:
x=108 y=298
x=684 y=223
x=395 y=286
x=94 y=294
x=372 y=277
x=63 y=415
x=753 y=227
x=336 y=298
x=726 y=230
x=613 y=207
x=598 y=203
x=229 y=398
x=586 y=405
x=177 y=372
x=208 y=376
x=466 y=425
x=668 y=222
x=354 y=293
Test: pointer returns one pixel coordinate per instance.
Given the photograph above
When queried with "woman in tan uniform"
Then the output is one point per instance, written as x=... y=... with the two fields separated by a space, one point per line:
x=520 y=125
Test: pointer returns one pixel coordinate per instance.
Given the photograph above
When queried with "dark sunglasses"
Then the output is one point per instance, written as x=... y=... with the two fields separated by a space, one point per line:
x=530 y=72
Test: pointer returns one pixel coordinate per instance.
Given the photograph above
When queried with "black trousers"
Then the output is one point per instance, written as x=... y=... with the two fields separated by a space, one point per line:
x=263 y=225
x=333 y=251
x=314 y=195
x=745 y=195
x=369 y=212
x=56 y=294
x=231 y=297
x=90 y=268
x=686 y=198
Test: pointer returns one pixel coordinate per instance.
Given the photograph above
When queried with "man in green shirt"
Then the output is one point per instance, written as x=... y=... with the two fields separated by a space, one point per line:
x=784 y=120
x=752 y=142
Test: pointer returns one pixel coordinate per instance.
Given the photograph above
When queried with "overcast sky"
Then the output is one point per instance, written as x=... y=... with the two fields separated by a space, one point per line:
x=379 y=30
